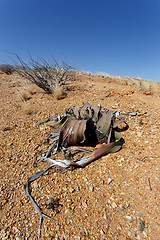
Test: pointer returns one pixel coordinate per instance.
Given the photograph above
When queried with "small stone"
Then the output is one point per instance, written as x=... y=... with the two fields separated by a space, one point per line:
x=129 y=217
x=85 y=179
x=115 y=106
x=114 y=205
x=139 y=134
x=84 y=204
x=78 y=237
x=105 y=215
x=119 y=228
x=138 y=237
x=71 y=189
x=109 y=180
x=67 y=211
x=56 y=236
x=102 y=231
x=142 y=226
x=35 y=185
x=145 y=235
x=91 y=188
x=68 y=201
x=101 y=208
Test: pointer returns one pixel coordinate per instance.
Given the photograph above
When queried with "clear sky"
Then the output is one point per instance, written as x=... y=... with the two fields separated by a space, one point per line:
x=119 y=37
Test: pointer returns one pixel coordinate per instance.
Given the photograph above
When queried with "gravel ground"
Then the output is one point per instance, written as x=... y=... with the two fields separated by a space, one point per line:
x=115 y=197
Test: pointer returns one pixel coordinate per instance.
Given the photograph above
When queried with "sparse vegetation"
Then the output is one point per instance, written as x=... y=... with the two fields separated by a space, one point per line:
x=111 y=183
x=27 y=108
x=24 y=95
x=58 y=92
x=6 y=68
x=51 y=77
x=31 y=89
x=4 y=126
x=151 y=86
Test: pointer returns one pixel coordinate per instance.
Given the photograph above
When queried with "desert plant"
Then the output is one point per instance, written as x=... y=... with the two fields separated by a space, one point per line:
x=44 y=74
x=26 y=108
x=87 y=125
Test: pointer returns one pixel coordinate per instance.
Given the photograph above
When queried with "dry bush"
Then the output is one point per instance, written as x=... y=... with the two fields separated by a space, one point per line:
x=155 y=87
x=23 y=94
x=49 y=76
x=25 y=91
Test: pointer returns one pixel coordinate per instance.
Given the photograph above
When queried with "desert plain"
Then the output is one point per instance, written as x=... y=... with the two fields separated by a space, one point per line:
x=116 y=197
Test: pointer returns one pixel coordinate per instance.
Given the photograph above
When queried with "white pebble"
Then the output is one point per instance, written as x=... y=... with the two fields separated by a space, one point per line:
x=129 y=217
x=145 y=235
x=67 y=211
x=105 y=215
x=91 y=188
x=114 y=205
x=109 y=180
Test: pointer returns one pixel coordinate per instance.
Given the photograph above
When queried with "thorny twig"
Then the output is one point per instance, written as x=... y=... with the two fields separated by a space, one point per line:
x=149 y=184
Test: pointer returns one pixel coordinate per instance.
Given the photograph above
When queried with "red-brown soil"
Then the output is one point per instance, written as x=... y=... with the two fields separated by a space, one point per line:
x=115 y=197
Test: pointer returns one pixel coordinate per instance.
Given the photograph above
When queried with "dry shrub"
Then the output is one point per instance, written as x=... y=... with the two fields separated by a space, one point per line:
x=155 y=87
x=27 y=108
x=47 y=75
x=145 y=85
x=31 y=89
x=24 y=95
x=25 y=92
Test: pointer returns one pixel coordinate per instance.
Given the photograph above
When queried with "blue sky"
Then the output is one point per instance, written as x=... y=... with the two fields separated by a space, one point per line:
x=119 y=37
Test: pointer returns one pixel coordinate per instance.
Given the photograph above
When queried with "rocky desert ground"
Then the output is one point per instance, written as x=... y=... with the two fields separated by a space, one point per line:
x=116 y=197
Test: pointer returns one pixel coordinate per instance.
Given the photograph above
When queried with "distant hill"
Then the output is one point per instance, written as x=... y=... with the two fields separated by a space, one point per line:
x=148 y=85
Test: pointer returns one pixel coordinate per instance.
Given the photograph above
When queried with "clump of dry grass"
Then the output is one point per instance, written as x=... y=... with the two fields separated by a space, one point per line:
x=31 y=89
x=3 y=125
x=148 y=85
x=57 y=92
x=27 y=108
x=26 y=92
x=24 y=95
